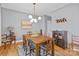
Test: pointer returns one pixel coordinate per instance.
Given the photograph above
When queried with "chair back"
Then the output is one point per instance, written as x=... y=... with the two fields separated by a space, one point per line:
x=30 y=42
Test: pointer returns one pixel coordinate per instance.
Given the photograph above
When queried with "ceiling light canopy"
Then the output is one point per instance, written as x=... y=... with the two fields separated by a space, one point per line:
x=34 y=18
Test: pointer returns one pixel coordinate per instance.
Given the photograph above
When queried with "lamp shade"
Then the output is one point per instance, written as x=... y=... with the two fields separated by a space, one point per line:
x=39 y=18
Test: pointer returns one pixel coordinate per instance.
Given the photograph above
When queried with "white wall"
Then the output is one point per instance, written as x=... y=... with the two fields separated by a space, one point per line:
x=0 y=25
x=71 y=13
x=14 y=18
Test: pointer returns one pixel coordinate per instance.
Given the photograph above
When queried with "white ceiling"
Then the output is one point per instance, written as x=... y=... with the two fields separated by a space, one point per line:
x=41 y=8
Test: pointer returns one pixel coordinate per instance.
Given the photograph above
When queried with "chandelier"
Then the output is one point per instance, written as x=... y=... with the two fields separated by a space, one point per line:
x=34 y=18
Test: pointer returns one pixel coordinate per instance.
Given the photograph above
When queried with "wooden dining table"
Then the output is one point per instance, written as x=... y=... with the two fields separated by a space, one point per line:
x=38 y=41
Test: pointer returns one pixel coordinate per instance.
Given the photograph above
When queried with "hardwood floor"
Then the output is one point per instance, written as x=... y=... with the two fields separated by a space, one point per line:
x=11 y=50
x=66 y=52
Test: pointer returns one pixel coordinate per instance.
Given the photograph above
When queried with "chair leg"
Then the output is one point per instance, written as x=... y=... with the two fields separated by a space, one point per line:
x=10 y=42
x=25 y=50
x=14 y=41
x=30 y=50
x=46 y=53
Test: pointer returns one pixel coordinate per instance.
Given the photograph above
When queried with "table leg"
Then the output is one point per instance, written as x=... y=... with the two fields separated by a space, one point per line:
x=10 y=42
x=37 y=50
x=14 y=41
x=5 y=45
x=52 y=48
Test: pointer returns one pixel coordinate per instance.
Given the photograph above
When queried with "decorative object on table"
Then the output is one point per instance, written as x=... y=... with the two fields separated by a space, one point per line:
x=26 y=24
x=62 y=20
x=40 y=31
x=34 y=18
x=29 y=32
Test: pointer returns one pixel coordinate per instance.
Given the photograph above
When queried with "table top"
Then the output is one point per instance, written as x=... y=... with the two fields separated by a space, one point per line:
x=38 y=39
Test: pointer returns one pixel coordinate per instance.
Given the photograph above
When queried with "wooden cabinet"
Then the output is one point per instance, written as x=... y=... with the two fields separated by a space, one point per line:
x=60 y=38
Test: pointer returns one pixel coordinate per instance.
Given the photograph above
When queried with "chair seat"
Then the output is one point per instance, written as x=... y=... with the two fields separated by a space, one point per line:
x=32 y=46
x=44 y=46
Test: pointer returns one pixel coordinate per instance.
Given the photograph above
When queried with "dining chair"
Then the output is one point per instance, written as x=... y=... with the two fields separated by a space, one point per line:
x=31 y=46
x=24 y=41
x=46 y=48
x=25 y=47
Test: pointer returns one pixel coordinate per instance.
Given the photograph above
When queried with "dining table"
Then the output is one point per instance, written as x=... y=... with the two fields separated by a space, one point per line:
x=38 y=40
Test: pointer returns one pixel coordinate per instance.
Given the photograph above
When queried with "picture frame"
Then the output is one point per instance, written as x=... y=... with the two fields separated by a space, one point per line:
x=26 y=24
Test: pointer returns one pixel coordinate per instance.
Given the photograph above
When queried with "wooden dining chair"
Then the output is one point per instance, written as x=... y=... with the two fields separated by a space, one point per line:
x=24 y=41
x=46 y=47
x=31 y=46
x=25 y=46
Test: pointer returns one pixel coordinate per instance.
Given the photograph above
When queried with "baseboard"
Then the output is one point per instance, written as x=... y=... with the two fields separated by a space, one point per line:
x=19 y=41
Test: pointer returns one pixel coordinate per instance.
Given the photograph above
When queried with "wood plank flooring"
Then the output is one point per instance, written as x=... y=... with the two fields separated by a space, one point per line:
x=11 y=50
x=66 y=52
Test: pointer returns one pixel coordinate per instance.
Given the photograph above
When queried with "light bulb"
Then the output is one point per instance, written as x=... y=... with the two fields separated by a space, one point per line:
x=35 y=20
x=30 y=16
x=31 y=20
x=39 y=18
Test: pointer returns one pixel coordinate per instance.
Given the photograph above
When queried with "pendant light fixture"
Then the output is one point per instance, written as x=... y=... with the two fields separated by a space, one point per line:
x=34 y=18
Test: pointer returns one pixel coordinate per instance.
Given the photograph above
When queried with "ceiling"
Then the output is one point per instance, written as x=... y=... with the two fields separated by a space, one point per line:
x=41 y=8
